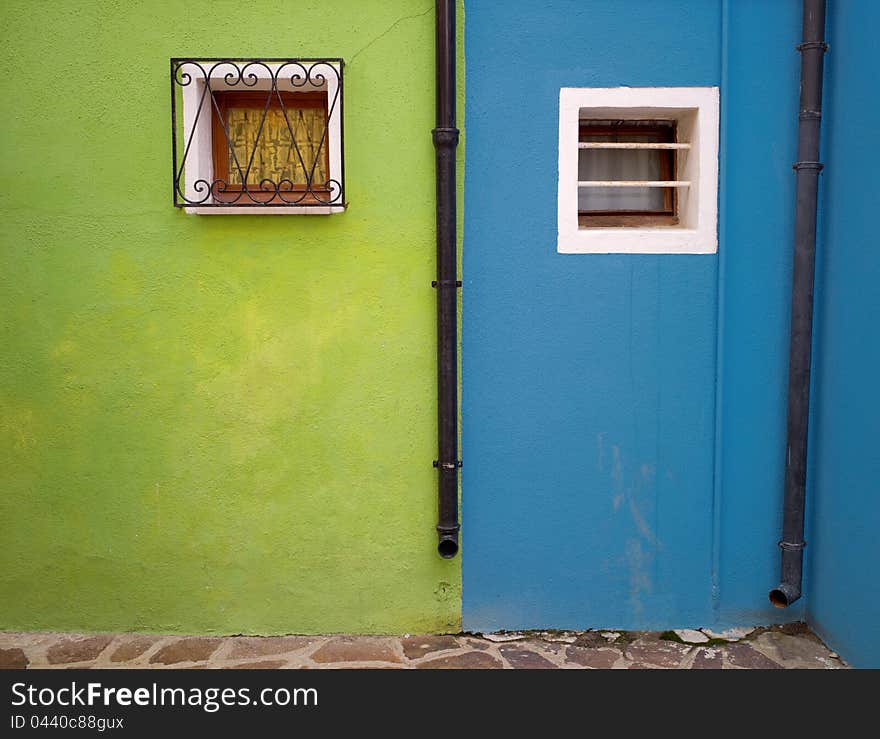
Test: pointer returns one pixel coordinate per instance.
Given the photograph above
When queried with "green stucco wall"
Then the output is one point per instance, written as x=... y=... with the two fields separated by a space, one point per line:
x=215 y=423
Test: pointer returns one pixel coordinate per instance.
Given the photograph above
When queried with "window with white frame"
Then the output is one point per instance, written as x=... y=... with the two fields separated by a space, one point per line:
x=638 y=170
x=258 y=136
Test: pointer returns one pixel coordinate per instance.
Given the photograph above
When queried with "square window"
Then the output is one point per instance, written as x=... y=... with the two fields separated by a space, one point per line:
x=258 y=136
x=621 y=152
x=275 y=139
x=638 y=170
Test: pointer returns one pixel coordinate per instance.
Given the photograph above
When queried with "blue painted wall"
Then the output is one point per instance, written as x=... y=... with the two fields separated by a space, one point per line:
x=844 y=558
x=759 y=144
x=623 y=415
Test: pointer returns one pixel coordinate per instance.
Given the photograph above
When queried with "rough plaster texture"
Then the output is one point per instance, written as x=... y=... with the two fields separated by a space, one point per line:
x=225 y=424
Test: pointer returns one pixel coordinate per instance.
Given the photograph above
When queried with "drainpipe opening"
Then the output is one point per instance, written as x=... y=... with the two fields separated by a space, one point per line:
x=447 y=547
x=783 y=596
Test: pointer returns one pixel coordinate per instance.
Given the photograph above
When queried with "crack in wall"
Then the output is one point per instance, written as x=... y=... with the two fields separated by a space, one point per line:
x=387 y=31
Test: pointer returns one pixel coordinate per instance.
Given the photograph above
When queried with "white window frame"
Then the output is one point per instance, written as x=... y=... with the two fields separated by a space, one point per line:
x=696 y=112
x=200 y=162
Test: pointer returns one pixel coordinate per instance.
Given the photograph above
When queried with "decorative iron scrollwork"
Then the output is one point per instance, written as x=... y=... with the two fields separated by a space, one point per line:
x=279 y=152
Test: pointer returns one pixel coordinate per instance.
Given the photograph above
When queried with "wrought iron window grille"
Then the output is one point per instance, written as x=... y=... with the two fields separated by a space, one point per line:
x=257 y=133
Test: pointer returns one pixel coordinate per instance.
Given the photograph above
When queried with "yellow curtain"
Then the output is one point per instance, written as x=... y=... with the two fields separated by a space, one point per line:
x=275 y=157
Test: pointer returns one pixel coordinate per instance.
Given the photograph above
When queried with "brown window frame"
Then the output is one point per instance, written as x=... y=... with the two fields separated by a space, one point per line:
x=667 y=131
x=257 y=99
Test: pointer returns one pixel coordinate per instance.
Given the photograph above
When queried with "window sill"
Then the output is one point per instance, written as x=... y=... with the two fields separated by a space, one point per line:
x=627 y=221
x=266 y=210
x=655 y=240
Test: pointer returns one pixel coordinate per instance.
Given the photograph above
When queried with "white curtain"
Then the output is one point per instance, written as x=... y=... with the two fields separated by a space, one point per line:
x=619 y=164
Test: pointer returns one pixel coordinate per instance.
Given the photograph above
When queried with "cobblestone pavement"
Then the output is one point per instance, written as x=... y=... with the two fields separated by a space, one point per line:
x=790 y=646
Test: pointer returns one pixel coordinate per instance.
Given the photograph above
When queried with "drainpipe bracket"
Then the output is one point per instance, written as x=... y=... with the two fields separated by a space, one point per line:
x=447 y=465
x=445 y=283
x=812 y=45
x=788 y=546
x=818 y=166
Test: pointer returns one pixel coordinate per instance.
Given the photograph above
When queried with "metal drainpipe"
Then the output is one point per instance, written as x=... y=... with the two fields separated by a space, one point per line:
x=445 y=142
x=812 y=51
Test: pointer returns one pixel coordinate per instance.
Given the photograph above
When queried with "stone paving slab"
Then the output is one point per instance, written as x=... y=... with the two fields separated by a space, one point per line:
x=792 y=646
